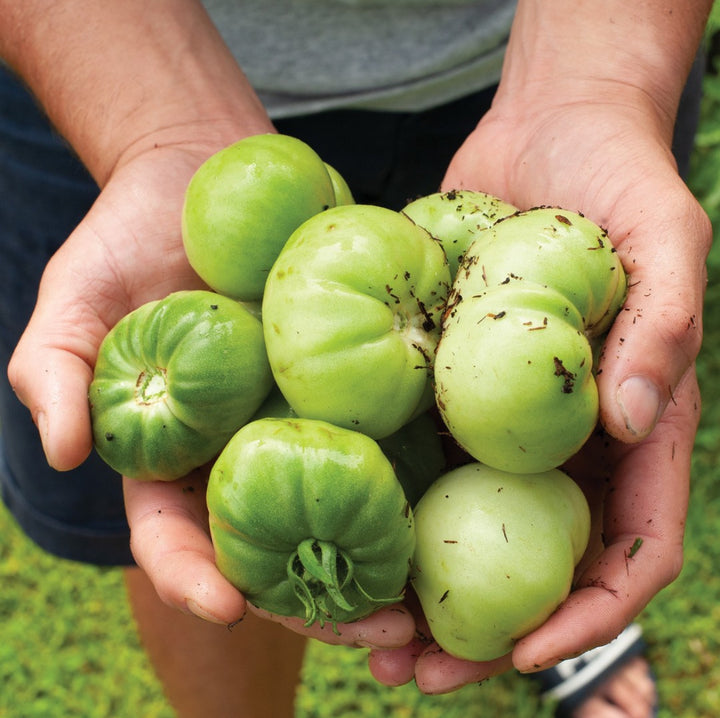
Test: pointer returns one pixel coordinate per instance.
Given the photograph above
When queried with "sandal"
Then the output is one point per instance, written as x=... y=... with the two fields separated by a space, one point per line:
x=572 y=681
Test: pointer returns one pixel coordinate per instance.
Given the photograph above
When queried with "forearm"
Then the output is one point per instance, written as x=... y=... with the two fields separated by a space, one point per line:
x=119 y=78
x=580 y=48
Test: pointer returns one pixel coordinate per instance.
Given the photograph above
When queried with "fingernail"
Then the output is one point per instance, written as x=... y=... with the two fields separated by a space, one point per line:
x=200 y=612
x=639 y=401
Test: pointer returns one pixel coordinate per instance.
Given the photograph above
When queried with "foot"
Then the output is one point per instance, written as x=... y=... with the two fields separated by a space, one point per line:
x=628 y=693
x=611 y=681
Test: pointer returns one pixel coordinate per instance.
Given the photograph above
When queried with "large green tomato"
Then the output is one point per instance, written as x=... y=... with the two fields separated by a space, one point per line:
x=244 y=202
x=173 y=381
x=456 y=217
x=352 y=312
x=495 y=555
x=309 y=520
x=514 y=367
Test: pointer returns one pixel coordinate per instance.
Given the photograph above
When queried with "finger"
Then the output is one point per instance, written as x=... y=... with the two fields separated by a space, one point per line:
x=171 y=543
x=396 y=667
x=53 y=384
x=438 y=672
x=643 y=531
x=389 y=627
x=657 y=335
x=51 y=368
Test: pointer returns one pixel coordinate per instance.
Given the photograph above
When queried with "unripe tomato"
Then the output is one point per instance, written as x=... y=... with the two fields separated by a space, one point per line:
x=513 y=378
x=514 y=367
x=173 y=381
x=495 y=555
x=456 y=217
x=244 y=202
x=309 y=520
x=351 y=314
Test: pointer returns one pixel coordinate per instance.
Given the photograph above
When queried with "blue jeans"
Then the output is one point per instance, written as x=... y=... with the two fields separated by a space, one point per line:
x=387 y=159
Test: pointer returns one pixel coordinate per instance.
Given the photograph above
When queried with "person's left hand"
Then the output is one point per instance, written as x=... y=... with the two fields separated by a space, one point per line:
x=610 y=160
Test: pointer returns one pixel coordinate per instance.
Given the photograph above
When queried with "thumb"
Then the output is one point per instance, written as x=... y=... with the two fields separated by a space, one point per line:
x=657 y=335
x=53 y=384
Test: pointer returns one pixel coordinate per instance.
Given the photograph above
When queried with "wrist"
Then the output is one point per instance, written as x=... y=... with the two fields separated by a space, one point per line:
x=117 y=79
x=562 y=53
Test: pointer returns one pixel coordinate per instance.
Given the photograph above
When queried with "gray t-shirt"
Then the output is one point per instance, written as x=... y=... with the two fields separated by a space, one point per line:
x=304 y=56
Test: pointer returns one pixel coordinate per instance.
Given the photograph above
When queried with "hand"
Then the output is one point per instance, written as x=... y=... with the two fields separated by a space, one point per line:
x=608 y=159
x=171 y=542
x=127 y=251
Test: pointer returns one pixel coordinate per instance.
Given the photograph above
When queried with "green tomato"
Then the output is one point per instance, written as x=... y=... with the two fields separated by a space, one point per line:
x=309 y=520
x=343 y=194
x=555 y=248
x=456 y=218
x=415 y=450
x=495 y=555
x=243 y=203
x=513 y=378
x=173 y=381
x=514 y=367
x=352 y=312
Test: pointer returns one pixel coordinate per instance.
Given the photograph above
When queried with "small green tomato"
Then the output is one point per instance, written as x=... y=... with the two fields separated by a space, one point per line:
x=173 y=381
x=456 y=218
x=514 y=367
x=243 y=203
x=309 y=520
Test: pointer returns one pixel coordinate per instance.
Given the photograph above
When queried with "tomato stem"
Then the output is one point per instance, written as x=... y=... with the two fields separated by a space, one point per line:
x=151 y=386
x=319 y=572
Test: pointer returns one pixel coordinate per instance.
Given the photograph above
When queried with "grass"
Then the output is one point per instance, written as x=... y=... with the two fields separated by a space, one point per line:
x=68 y=646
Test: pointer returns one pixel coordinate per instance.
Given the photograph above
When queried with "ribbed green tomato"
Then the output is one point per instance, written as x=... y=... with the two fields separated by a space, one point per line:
x=243 y=203
x=415 y=450
x=456 y=217
x=495 y=555
x=309 y=520
x=173 y=381
x=351 y=312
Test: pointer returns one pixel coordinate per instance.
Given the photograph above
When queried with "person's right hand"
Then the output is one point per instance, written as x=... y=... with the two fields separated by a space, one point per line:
x=127 y=251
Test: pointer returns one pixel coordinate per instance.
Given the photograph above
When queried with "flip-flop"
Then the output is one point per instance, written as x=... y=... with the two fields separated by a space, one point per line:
x=572 y=681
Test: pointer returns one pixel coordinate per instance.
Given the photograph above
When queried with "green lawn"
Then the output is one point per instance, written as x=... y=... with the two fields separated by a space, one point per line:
x=68 y=648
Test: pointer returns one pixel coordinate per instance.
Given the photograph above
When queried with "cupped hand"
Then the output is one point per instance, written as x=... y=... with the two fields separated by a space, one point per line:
x=171 y=542
x=127 y=251
x=610 y=160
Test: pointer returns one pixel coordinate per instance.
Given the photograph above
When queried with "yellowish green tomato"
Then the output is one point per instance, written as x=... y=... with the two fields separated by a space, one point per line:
x=343 y=193
x=456 y=218
x=309 y=520
x=243 y=203
x=173 y=381
x=554 y=248
x=495 y=555
x=513 y=373
x=351 y=312
x=513 y=379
